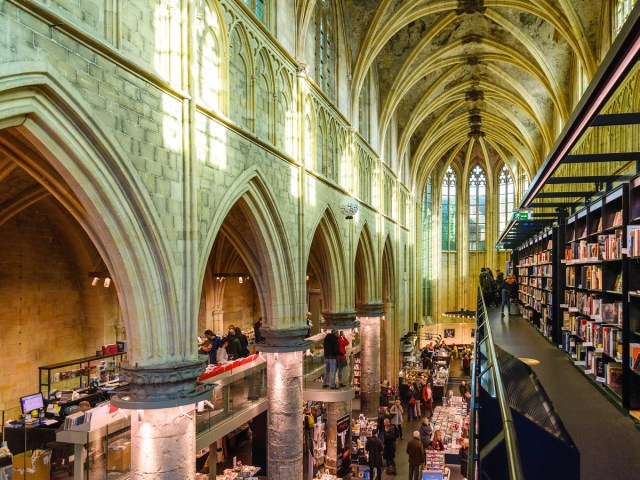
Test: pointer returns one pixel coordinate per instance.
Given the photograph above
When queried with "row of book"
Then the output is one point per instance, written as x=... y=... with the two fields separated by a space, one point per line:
x=540 y=282
x=602 y=338
x=604 y=369
x=610 y=246
x=609 y=313
x=611 y=220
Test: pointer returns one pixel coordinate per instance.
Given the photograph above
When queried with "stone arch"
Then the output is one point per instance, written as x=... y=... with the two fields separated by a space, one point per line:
x=60 y=144
x=284 y=113
x=326 y=255
x=365 y=268
x=212 y=54
x=310 y=122
x=388 y=334
x=265 y=88
x=321 y=142
x=257 y=232
x=240 y=70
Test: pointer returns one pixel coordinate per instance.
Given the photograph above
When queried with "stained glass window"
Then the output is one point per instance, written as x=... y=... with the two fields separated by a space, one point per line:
x=505 y=197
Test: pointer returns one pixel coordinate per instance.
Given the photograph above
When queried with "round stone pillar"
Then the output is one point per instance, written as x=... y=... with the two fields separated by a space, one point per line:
x=283 y=350
x=167 y=440
x=369 y=316
x=161 y=402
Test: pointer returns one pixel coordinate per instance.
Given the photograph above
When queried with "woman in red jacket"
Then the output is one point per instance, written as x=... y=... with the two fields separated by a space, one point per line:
x=341 y=358
x=427 y=399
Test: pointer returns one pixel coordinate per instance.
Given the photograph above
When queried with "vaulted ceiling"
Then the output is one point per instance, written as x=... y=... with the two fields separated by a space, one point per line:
x=455 y=74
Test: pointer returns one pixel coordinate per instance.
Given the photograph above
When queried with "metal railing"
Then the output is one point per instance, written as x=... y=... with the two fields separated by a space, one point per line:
x=486 y=374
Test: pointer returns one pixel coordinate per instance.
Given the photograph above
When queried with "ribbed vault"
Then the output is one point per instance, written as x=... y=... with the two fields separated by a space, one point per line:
x=504 y=71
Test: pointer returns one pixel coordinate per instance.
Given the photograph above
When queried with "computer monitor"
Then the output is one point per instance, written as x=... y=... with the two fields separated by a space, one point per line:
x=32 y=402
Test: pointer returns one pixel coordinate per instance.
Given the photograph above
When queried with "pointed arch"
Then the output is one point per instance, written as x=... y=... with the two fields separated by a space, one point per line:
x=365 y=268
x=265 y=88
x=506 y=195
x=257 y=231
x=284 y=111
x=240 y=69
x=310 y=125
x=212 y=52
x=326 y=254
x=389 y=280
x=60 y=143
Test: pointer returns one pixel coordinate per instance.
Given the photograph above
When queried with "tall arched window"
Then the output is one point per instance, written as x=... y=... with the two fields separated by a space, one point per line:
x=449 y=211
x=505 y=197
x=427 y=218
x=325 y=46
x=620 y=13
x=477 y=209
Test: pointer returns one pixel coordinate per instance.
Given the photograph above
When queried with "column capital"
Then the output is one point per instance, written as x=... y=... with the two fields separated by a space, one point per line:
x=160 y=386
x=340 y=320
x=283 y=340
x=370 y=310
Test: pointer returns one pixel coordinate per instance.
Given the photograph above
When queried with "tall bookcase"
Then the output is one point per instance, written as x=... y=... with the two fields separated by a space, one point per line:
x=595 y=284
x=537 y=273
x=631 y=279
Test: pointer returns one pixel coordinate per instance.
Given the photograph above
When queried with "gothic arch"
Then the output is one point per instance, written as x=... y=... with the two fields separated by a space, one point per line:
x=326 y=254
x=75 y=159
x=213 y=41
x=259 y=235
x=365 y=268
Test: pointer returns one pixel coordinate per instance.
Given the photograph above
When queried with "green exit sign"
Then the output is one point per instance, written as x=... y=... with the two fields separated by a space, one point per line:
x=522 y=216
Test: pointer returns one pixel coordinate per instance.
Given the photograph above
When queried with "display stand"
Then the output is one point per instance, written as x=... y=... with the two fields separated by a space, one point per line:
x=356 y=374
x=435 y=468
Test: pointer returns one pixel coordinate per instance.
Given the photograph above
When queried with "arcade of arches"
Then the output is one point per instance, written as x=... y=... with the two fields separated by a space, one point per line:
x=167 y=143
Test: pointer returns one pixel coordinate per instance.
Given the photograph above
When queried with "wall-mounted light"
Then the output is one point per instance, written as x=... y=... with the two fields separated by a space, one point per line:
x=240 y=280
x=107 y=282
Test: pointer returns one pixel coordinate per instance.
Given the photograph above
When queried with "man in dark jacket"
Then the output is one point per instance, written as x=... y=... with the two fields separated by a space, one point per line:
x=331 y=350
x=374 y=448
x=234 y=347
x=256 y=329
x=415 y=450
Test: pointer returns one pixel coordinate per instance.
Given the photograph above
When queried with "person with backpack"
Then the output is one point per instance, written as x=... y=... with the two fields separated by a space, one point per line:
x=486 y=282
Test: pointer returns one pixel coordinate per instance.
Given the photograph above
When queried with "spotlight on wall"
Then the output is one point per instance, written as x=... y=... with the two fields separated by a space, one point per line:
x=97 y=276
x=240 y=279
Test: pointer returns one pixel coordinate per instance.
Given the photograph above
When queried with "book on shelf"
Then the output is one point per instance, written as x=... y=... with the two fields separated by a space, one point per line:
x=634 y=357
x=600 y=368
x=613 y=375
x=617 y=286
x=599 y=229
x=617 y=219
x=633 y=240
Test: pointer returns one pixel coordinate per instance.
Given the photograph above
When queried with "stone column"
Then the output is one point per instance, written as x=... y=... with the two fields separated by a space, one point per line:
x=369 y=316
x=167 y=440
x=283 y=350
x=162 y=401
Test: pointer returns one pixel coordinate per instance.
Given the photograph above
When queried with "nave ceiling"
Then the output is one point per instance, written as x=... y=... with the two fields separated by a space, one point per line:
x=457 y=74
